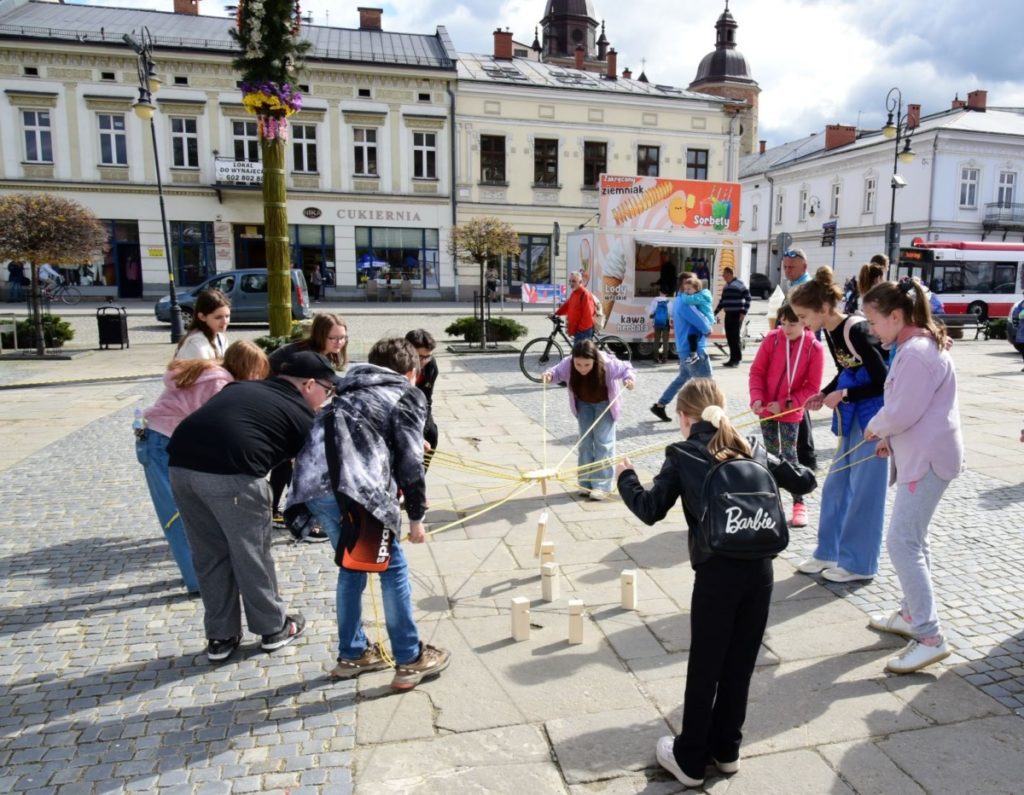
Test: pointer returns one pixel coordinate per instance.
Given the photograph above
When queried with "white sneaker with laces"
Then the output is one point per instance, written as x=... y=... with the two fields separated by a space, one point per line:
x=815 y=565
x=893 y=622
x=916 y=655
x=598 y=495
x=667 y=760
x=727 y=767
x=839 y=574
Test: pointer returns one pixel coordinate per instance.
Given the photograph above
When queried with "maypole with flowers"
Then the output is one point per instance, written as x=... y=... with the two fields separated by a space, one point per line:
x=268 y=33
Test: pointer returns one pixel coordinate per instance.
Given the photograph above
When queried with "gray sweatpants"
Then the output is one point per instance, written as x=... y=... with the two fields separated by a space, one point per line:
x=907 y=542
x=228 y=523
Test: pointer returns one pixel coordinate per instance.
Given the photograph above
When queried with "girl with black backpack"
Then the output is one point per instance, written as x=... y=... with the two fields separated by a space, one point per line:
x=731 y=591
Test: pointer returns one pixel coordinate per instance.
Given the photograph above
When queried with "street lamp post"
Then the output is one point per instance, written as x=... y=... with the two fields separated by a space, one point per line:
x=900 y=132
x=149 y=84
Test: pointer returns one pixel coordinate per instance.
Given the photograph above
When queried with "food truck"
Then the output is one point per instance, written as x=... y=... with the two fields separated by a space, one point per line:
x=651 y=226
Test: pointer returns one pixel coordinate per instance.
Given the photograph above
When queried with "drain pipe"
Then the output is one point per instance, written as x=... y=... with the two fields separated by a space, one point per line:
x=771 y=218
x=451 y=188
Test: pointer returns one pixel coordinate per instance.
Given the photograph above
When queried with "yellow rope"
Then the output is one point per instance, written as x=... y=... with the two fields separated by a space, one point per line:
x=523 y=486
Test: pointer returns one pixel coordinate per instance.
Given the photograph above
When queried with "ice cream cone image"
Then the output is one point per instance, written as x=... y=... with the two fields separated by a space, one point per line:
x=609 y=287
x=612 y=275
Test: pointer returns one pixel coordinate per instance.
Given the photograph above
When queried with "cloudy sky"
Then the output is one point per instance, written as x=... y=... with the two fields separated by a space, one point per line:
x=818 y=62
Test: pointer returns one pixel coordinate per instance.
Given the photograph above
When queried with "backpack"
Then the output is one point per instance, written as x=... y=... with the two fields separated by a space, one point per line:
x=661 y=315
x=598 y=317
x=743 y=516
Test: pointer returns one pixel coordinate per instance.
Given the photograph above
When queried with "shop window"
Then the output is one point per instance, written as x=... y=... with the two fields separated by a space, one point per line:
x=533 y=266
x=492 y=158
x=397 y=254
x=192 y=251
x=312 y=249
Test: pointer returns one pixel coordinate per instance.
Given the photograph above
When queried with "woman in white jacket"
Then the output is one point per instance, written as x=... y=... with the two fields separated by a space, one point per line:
x=205 y=337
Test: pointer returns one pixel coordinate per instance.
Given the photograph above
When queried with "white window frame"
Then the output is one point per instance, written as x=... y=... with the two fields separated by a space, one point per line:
x=970 y=177
x=803 y=205
x=304 y=143
x=246 y=133
x=112 y=135
x=753 y=217
x=182 y=138
x=1007 y=188
x=780 y=206
x=424 y=154
x=364 y=141
x=36 y=124
x=870 y=193
x=836 y=193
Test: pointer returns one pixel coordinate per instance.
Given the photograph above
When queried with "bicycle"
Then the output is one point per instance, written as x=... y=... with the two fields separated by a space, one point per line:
x=60 y=291
x=542 y=353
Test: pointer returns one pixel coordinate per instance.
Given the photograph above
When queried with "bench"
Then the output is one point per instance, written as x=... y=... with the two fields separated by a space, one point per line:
x=966 y=321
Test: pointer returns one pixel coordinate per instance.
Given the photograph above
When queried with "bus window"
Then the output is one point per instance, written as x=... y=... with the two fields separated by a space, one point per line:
x=1005 y=281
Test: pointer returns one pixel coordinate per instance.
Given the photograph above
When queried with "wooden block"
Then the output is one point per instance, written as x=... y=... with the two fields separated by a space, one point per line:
x=549 y=582
x=547 y=552
x=575 y=621
x=628 y=583
x=520 y=618
x=542 y=525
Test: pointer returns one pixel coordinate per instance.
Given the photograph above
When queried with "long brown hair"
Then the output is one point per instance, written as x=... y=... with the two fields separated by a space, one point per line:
x=819 y=292
x=586 y=349
x=206 y=302
x=869 y=275
x=909 y=298
x=245 y=360
x=694 y=398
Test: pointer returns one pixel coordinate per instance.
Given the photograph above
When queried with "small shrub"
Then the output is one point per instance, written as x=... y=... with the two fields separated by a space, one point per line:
x=56 y=331
x=499 y=329
x=300 y=329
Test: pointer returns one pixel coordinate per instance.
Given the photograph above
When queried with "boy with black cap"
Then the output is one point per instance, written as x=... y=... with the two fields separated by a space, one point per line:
x=219 y=458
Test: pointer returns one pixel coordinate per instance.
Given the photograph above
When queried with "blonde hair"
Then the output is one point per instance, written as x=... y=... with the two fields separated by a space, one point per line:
x=703 y=398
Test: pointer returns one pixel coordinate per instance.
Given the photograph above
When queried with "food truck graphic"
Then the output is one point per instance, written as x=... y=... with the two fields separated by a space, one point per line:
x=651 y=231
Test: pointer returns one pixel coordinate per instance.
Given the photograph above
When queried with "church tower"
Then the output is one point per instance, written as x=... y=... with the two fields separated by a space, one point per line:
x=568 y=24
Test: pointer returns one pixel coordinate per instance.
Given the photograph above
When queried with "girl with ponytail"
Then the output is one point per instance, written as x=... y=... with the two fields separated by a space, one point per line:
x=731 y=596
x=919 y=428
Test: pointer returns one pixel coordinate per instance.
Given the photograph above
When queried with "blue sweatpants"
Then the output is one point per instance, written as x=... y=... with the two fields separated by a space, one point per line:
x=853 y=506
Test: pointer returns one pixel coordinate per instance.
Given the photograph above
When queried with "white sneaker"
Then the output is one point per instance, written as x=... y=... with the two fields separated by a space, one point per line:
x=915 y=656
x=667 y=760
x=839 y=574
x=894 y=623
x=815 y=566
x=727 y=767
x=598 y=495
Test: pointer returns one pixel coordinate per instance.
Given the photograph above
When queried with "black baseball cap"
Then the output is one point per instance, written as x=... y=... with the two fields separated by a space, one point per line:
x=306 y=364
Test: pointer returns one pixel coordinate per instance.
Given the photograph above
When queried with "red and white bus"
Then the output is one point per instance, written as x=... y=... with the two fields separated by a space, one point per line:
x=967 y=276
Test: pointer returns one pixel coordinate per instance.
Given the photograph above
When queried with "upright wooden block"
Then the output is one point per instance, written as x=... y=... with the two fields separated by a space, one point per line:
x=549 y=581
x=520 y=618
x=542 y=525
x=575 y=621
x=628 y=583
x=547 y=552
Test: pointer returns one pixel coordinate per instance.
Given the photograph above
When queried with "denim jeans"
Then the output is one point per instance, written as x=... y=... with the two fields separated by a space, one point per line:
x=700 y=369
x=152 y=454
x=583 y=335
x=598 y=445
x=396 y=594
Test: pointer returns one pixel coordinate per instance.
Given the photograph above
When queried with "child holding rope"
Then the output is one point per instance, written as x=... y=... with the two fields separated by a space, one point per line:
x=786 y=371
x=853 y=496
x=919 y=427
x=595 y=386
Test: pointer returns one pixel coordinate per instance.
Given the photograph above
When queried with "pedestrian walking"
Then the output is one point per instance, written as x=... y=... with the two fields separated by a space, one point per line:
x=734 y=303
x=687 y=321
x=659 y=310
x=919 y=429
x=205 y=336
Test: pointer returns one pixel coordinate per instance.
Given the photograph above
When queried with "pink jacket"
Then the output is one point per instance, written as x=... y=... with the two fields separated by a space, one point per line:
x=768 y=380
x=174 y=403
x=615 y=372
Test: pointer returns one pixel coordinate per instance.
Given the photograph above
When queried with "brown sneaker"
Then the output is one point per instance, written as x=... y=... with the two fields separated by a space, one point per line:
x=371 y=660
x=431 y=662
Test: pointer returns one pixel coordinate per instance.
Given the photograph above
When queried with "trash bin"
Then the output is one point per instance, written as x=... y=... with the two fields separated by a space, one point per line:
x=113 y=326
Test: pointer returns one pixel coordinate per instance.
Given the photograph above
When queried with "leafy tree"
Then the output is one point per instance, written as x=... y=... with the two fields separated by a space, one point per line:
x=482 y=239
x=41 y=228
x=267 y=32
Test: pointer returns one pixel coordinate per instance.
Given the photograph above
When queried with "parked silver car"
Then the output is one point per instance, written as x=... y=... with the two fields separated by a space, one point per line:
x=247 y=291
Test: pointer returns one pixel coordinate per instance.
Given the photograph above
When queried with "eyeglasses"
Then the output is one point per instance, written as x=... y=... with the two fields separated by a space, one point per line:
x=327 y=388
x=338 y=339
x=792 y=253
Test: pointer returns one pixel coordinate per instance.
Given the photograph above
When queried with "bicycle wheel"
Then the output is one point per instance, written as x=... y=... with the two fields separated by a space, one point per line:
x=616 y=346
x=70 y=294
x=539 y=355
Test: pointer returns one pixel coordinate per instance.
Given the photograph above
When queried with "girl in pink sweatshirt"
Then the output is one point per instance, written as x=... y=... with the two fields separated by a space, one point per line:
x=919 y=428
x=787 y=370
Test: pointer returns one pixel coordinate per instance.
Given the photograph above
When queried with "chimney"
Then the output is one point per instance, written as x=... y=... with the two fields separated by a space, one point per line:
x=503 y=45
x=958 y=104
x=369 y=18
x=612 y=65
x=837 y=135
x=977 y=99
x=762 y=145
x=186 y=7
x=913 y=116
x=580 y=53
x=627 y=74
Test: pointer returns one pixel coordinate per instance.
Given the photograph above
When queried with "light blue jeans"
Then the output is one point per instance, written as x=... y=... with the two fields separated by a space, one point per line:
x=598 y=445
x=699 y=369
x=907 y=542
x=396 y=594
x=151 y=452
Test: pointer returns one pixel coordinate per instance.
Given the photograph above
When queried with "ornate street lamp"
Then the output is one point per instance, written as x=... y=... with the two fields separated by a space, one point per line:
x=896 y=128
x=149 y=84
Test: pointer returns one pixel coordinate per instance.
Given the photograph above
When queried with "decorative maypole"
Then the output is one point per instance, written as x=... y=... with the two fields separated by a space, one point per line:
x=267 y=32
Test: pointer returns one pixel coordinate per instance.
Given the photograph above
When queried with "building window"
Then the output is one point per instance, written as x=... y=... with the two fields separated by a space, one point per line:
x=113 y=140
x=304 y=148
x=396 y=253
x=313 y=248
x=778 y=208
x=492 y=158
x=534 y=263
x=545 y=162
x=1007 y=182
x=365 y=151
x=595 y=162
x=968 y=188
x=647 y=160
x=696 y=163
x=38 y=143
x=753 y=217
x=424 y=155
x=834 y=209
x=192 y=251
x=184 y=143
x=247 y=141
x=869 y=194
x=803 y=206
